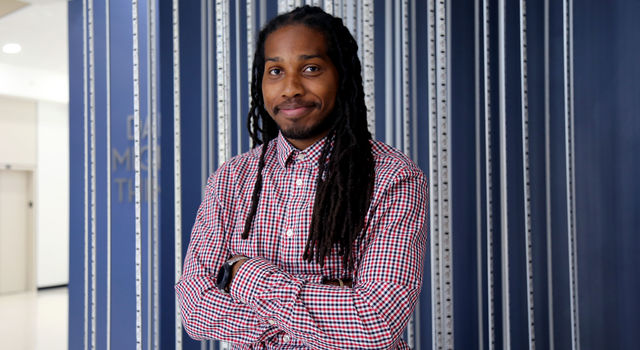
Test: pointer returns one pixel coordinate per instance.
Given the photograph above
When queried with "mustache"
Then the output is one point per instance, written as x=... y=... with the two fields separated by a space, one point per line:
x=295 y=103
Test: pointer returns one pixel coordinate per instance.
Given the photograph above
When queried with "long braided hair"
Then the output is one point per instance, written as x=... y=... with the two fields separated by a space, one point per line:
x=346 y=166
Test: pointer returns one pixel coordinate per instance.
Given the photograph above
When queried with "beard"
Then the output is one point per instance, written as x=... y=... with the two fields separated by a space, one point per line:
x=307 y=132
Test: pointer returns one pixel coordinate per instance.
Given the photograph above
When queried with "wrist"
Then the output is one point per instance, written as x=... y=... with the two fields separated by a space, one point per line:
x=227 y=272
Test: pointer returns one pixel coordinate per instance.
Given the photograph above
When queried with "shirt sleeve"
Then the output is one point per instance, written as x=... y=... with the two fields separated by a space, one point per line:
x=372 y=314
x=207 y=313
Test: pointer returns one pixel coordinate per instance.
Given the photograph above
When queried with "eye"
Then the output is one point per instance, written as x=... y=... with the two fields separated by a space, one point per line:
x=311 y=69
x=274 y=71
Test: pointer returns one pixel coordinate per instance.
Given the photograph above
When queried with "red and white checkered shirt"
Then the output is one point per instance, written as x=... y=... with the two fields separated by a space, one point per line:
x=277 y=299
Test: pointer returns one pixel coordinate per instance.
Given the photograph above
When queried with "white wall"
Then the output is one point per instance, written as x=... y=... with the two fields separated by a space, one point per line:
x=18 y=132
x=52 y=194
x=34 y=135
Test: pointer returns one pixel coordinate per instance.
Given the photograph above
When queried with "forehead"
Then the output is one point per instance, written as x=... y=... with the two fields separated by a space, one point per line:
x=295 y=39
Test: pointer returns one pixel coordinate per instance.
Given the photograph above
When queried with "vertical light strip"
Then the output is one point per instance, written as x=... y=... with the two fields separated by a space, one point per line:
x=368 y=62
x=227 y=78
x=414 y=90
x=85 y=173
x=478 y=155
x=397 y=116
x=414 y=145
x=108 y=161
x=524 y=101
x=92 y=166
x=504 y=224
x=444 y=132
x=547 y=167
x=488 y=175
x=154 y=202
x=251 y=15
x=406 y=104
x=136 y=167
x=388 y=73
x=567 y=48
x=359 y=36
x=223 y=65
x=239 y=82
x=504 y=219
x=434 y=188
x=177 y=186
x=147 y=187
x=349 y=16
x=328 y=7
x=263 y=13
x=211 y=149
x=204 y=166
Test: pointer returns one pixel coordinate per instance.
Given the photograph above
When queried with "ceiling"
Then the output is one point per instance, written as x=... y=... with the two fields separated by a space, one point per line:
x=40 y=27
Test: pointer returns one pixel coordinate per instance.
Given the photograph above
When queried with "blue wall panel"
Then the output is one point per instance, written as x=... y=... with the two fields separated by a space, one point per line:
x=607 y=129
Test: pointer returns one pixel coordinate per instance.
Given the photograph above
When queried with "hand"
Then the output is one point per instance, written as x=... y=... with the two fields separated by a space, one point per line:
x=236 y=266
x=345 y=283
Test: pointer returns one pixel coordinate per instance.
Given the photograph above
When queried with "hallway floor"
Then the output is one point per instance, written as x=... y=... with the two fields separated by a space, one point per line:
x=34 y=321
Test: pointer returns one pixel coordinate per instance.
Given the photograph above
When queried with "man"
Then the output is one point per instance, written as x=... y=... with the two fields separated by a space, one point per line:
x=316 y=237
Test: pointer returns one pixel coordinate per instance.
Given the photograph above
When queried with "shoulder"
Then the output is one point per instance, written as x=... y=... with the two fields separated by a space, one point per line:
x=236 y=172
x=391 y=163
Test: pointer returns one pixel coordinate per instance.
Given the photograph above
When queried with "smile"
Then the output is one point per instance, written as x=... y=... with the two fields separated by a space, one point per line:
x=293 y=110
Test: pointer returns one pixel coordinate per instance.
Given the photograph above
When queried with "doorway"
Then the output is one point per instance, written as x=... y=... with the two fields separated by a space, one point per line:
x=17 y=244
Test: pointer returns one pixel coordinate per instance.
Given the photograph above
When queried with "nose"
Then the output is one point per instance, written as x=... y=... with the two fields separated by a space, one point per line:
x=292 y=86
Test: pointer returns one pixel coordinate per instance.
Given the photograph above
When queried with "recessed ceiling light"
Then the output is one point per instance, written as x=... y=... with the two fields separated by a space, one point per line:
x=11 y=48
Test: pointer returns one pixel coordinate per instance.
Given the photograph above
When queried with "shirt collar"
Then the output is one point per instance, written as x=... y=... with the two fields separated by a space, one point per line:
x=288 y=154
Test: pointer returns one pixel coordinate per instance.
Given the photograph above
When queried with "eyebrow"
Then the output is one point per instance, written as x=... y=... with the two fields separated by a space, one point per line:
x=301 y=57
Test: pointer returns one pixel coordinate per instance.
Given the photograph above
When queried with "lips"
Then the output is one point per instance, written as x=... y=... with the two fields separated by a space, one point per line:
x=294 y=108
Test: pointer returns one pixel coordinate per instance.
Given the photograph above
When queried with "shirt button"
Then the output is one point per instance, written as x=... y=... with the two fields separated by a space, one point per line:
x=301 y=156
x=299 y=182
x=272 y=322
x=286 y=338
x=289 y=233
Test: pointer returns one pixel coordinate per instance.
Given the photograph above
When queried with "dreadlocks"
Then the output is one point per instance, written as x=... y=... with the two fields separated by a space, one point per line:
x=346 y=166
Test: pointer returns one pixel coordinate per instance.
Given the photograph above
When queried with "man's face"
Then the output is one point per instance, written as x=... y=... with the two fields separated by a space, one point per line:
x=299 y=84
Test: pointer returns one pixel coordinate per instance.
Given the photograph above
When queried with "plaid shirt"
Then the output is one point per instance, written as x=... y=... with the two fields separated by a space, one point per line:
x=277 y=299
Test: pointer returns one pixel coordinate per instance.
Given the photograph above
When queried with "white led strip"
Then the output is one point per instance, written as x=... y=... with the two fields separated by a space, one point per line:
x=567 y=32
x=136 y=167
x=85 y=174
x=524 y=100
x=223 y=68
x=108 y=116
x=239 y=67
x=204 y=80
x=547 y=160
x=406 y=105
x=444 y=144
x=488 y=173
x=153 y=172
x=388 y=75
x=177 y=186
x=328 y=6
x=251 y=14
x=395 y=98
x=478 y=170
x=92 y=167
x=211 y=150
x=397 y=116
x=414 y=145
x=368 y=63
x=434 y=188
x=504 y=218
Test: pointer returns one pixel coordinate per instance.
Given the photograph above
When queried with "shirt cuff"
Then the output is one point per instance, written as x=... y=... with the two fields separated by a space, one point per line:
x=259 y=280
